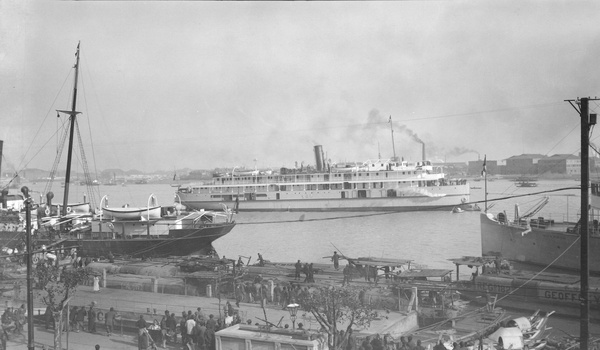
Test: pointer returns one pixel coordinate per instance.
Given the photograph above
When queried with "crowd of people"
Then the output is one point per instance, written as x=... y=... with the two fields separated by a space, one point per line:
x=197 y=331
x=81 y=318
x=13 y=321
x=377 y=342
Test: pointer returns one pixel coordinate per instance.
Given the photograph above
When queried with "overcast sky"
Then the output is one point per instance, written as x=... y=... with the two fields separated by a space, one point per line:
x=167 y=85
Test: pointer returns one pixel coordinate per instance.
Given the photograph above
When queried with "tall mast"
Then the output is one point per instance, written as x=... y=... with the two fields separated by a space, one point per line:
x=484 y=172
x=393 y=143
x=72 y=114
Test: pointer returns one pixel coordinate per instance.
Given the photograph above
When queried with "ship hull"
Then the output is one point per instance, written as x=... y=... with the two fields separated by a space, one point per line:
x=560 y=293
x=540 y=247
x=178 y=242
x=434 y=198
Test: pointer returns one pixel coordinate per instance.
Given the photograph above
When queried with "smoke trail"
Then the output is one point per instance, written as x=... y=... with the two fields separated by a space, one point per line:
x=457 y=151
x=404 y=129
x=376 y=118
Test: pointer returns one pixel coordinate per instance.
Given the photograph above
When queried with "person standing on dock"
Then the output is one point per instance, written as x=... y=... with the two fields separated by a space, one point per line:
x=211 y=323
x=141 y=323
x=346 y=272
x=277 y=294
x=239 y=293
x=109 y=321
x=336 y=260
x=172 y=327
x=298 y=267
x=261 y=261
x=189 y=328
x=80 y=318
x=182 y=328
x=96 y=283
x=311 y=273
x=285 y=297
x=164 y=328
x=200 y=335
x=73 y=316
x=48 y=317
x=92 y=319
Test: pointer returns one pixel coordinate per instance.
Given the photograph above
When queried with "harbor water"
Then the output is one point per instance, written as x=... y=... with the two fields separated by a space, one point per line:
x=429 y=238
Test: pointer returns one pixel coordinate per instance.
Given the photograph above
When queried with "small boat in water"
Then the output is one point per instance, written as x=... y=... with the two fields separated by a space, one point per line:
x=526 y=182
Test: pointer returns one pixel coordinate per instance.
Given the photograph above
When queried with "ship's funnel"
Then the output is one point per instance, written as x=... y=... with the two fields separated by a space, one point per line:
x=319 y=157
x=423 y=150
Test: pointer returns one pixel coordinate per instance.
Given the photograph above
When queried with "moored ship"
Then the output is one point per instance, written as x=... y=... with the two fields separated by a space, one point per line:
x=542 y=242
x=522 y=289
x=149 y=232
x=376 y=185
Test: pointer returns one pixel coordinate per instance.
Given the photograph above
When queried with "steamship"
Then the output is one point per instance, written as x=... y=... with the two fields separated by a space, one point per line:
x=375 y=185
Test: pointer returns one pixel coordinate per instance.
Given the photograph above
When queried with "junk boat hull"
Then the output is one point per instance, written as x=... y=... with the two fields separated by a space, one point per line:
x=521 y=291
x=539 y=244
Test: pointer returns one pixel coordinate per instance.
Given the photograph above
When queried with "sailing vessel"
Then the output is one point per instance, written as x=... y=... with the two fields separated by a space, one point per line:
x=377 y=185
x=154 y=231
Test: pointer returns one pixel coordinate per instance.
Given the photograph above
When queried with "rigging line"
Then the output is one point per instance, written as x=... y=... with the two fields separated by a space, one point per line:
x=508 y=109
x=43 y=121
x=396 y=212
x=561 y=140
x=57 y=158
x=39 y=150
x=89 y=128
x=427 y=118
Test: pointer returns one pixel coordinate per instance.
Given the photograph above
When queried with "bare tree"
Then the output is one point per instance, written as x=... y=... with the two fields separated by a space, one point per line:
x=58 y=285
x=337 y=307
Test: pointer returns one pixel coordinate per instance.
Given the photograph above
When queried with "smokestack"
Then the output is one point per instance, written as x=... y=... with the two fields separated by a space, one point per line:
x=319 y=157
x=423 y=148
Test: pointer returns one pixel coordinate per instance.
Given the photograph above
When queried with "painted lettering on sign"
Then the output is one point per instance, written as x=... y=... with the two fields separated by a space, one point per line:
x=563 y=296
x=494 y=288
x=575 y=297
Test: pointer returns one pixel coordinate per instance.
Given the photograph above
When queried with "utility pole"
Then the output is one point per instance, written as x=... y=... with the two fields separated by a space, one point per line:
x=30 y=341
x=587 y=119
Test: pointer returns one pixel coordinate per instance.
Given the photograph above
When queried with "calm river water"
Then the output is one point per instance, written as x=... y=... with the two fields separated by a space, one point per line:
x=428 y=238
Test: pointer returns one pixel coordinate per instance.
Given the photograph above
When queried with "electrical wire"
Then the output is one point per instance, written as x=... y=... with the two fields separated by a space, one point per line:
x=301 y=219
